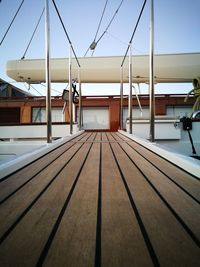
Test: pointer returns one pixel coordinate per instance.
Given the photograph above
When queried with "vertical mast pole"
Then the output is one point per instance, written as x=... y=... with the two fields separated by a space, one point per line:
x=151 y=76
x=70 y=92
x=130 y=91
x=80 y=99
x=121 y=99
x=48 y=72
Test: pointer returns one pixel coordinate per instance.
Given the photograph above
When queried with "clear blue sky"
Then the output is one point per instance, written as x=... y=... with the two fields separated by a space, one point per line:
x=177 y=24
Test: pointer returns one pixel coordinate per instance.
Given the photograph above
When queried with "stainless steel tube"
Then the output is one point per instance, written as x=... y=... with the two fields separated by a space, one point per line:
x=121 y=100
x=70 y=93
x=151 y=76
x=80 y=99
x=48 y=72
x=130 y=91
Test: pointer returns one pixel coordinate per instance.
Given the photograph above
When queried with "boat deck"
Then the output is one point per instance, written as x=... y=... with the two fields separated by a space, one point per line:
x=100 y=199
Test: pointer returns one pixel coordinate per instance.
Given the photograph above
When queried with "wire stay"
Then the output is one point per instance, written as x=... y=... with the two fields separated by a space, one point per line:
x=66 y=32
x=33 y=34
x=93 y=45
x=11 y=22
x=138 y=20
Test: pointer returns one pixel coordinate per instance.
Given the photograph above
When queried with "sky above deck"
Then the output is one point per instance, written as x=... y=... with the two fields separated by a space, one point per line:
x=176 y=31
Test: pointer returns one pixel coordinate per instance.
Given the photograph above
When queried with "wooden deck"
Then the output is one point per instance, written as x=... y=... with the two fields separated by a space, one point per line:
x=100 y=200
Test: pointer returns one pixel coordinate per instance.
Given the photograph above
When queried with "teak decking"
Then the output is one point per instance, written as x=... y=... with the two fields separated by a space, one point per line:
x=100 y=200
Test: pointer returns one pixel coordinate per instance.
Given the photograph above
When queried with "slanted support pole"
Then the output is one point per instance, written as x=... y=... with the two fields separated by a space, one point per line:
x=70 y=92
x=130 y=91
x=48 y=73
x=121 y=100
x=151 y=76
x=80 y=99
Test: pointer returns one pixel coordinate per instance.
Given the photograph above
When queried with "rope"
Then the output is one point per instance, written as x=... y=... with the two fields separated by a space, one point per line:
x=66 y=33
x=134 y=31
x=33 y=34
x=94 y=42
x=11 y=22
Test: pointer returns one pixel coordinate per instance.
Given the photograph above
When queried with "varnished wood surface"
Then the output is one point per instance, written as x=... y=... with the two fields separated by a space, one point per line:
x=100 y=200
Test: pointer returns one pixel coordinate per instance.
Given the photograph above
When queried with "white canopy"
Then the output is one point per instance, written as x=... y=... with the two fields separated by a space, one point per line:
x=168 y=68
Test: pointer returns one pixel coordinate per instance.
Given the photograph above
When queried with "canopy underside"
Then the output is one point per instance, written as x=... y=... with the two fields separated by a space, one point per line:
x=169 y=68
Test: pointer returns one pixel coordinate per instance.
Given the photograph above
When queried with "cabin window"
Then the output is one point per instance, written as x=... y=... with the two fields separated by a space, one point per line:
x=179 y=111
x=39 y=114
x=9 y=115
x=95 y=118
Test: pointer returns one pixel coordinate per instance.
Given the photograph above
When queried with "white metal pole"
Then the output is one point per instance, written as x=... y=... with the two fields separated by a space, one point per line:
x=70 y=92
x=130 y=91
x=151 y=76
x=80 y=99
x=121 y=99
x=48 y=72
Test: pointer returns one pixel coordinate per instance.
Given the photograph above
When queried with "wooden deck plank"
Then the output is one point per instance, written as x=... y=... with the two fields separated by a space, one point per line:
x=17 y=179
x=158 y=219
x=15 y=205
x=40 y=218
x=75 y=241
x=181 y=177
x=182 y=204
x=107 y=206
x=122 y=240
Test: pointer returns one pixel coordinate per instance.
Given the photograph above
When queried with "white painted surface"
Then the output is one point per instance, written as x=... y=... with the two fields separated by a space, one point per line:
x=136 y=113
x=12 y=149
x=35 y=131
x=164 y=128
x=24 y=159
x=168 y=68
x=189 y=164
x=183 y=145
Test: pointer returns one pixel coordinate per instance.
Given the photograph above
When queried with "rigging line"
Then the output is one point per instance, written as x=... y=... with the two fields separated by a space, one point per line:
x=110 y=21
x=94 y=44
x=66 y=32
x=11 y=22
x=116 y=38
x=101 y=20
x=51 y=88
x=35 y=89
x=87 y=51
x=134 y=31
x=33 y=33
x=94 y=41
x=122 y=42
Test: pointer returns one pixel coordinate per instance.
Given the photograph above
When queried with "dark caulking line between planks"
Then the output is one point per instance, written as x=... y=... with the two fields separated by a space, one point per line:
x=183 y=224
x=137 y=214
x=192 y=175
x=47 y=246
x=9 y=175
x=167 y=176
x=4 y=236
x=99 y=214
x=31 y=178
